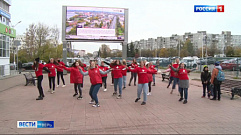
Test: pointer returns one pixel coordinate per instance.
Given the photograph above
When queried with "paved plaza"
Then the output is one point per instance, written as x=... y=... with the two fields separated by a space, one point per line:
x=162 y=114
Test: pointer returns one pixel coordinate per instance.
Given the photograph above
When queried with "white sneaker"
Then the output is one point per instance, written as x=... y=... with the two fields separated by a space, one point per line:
x=96 y=105
x=49 y=90
x=148 y=93
x=52 y=92
x=112 y=84
x=92 y=102
x=63 y=85
x=57 y=86
x=105 y=89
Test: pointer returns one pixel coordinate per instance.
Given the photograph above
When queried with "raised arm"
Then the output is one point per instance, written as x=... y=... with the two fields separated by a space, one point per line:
x=83 y=73
x=46 y=69
x=104 y=72
x=67 y=69
x=132 y=69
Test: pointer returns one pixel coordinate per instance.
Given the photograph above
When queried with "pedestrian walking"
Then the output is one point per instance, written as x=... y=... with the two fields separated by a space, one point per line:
x=20 y=67
x=214 y=81
x=38 y=68
x=142 y=72
x=96 y=80
x=133 y=74
x=183 y=80
x=60 y=73
x=205 y=78
x=76 y=78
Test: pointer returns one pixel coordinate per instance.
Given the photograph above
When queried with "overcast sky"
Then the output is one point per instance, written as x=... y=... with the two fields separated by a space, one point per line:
x=147 y=18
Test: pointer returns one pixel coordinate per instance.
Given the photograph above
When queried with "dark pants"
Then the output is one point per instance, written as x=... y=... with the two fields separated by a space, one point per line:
x=185 y=90
x=94 y=91
x=206 y=86
x=175 y=81
x=133 y=75
x=39 y=86
x=82 y=84
x=104 y=81
x=62 y=77
x=149 y=84
x=75 y=88
x=112 y=78
x=216 y=90
x=52 y=81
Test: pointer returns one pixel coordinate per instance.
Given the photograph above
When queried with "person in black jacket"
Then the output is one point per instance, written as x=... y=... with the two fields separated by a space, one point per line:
x=206 y=77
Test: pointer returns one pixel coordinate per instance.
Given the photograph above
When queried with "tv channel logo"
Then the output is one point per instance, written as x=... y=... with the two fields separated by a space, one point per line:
x=208 y=8
x=35 y=124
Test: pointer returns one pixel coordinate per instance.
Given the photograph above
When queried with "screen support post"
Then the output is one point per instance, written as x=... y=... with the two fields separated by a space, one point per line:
x=124 y=44
x=65 y=55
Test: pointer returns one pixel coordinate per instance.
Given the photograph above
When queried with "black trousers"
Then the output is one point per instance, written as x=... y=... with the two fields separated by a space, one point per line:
x=112 y=78
x=39 y=85
x=149 y=84
x=133 y=75
x=52 y=81
x=78 y=85
x=216 y=90
x=104 y=81
x=60 y=74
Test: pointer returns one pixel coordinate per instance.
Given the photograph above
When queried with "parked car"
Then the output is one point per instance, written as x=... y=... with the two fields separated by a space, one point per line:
x=231 y=64
x=28 y=66
x=189 y=62
x=13 y=66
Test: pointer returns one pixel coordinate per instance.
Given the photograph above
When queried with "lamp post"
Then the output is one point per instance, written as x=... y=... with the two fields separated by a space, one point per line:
x=13 y=44
x=206 y=48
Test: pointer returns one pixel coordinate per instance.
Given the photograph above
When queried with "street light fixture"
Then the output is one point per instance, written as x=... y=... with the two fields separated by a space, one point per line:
x=13 y=45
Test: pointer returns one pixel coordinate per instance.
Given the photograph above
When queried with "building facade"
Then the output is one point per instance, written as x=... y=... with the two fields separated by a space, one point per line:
x=6 y=33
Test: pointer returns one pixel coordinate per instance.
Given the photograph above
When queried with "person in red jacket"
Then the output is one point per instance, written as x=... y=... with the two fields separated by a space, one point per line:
x=133 y=74
x=174 y=76
x=52 y=65
x=83 y=65
x=96 y=80
x=117 y=75
x=124 y=71
x=60 y=72
x=76 y=78
x=153 y=75
x=183 y=80
x=38 y=68
x=150 y=76
x=104 y=77
x=142 y=72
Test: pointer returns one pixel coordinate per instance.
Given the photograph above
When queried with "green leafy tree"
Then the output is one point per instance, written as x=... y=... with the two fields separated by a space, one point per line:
x=229 y=51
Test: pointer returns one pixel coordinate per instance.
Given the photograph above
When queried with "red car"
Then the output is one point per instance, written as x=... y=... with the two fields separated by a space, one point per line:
x=231 y=64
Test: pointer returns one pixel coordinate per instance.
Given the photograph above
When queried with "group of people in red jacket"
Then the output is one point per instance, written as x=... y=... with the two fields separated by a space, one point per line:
x=98 y=77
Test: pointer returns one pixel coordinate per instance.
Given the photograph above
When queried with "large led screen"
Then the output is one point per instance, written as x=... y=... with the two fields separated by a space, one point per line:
x=95 y=23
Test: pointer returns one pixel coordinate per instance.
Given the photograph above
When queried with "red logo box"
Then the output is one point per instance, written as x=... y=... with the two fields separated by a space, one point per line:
x=220 y=8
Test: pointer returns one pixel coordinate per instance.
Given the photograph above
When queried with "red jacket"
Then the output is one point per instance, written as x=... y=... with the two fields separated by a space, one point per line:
x=95 y=76
x=133 y=65
x=124 y=72
x=142 y=74
x=103 y=69
x=152 y=67
x=117 y=71
x=183 y=74
x=51 y=68
x=60 y=69
x=39 y=71
x=75 y=75
x=173 y=73
x=150 y=78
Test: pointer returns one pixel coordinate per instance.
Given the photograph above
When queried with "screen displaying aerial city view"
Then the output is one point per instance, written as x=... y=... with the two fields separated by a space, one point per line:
x=94 y=23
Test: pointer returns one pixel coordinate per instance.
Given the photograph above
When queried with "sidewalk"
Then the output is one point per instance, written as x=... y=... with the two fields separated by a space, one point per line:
x=162 y=114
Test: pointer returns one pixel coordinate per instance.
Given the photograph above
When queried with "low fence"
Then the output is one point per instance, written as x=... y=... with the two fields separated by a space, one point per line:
x=6 y=70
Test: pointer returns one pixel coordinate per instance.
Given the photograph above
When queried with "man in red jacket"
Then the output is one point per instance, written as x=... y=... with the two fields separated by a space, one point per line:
x=60 y=72
x=174 y=76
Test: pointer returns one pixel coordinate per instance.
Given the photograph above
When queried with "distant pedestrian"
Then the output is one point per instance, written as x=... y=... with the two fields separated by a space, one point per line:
x=205 y=78
x=183 y=80
x=96 y=80
x=117 y=68
x=76 y=78
x=174 y=76
x=19 y=67
x=83 y=65
x=38 y=68
x=124 y=71
x=104 y=76
x=60 y=73
x=133 y=74
x=216 y=84
x=142 y=72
